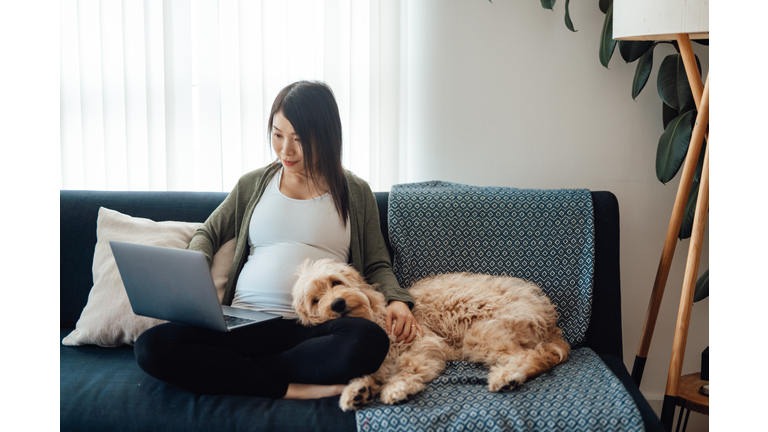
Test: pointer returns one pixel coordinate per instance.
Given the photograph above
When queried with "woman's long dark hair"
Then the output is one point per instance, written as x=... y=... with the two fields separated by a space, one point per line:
x=311 y=108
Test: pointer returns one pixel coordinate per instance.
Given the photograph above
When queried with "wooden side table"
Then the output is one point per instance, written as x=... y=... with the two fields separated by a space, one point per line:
x=689 y=398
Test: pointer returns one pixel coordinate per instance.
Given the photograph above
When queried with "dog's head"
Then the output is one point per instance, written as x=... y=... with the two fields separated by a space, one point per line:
x=327 y=289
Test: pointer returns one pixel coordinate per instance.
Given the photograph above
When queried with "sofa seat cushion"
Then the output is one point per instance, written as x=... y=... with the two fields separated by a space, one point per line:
x=580 y=394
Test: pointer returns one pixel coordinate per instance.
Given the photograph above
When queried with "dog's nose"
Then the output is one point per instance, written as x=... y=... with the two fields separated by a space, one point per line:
x=339 y=305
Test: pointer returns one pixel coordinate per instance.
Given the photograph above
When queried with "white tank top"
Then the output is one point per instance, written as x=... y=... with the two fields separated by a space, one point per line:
x=283 y=232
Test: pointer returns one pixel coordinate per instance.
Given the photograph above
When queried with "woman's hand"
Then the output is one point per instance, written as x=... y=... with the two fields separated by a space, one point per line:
x=400 y=321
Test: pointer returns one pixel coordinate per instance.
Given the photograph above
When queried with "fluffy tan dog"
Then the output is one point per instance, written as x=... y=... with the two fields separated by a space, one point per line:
x=506 y=323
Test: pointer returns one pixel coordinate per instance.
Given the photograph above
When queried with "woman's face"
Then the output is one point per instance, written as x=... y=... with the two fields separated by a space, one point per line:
x=287 y=144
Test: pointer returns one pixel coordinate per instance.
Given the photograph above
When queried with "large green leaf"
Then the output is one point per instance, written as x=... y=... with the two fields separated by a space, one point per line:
x=568 y=22
x=702 y=287
x=607 y=43
x=633 y=50
x=673 y=146
x=672 y=82
x=548 y=4
x=673 y=85
x=642 y=73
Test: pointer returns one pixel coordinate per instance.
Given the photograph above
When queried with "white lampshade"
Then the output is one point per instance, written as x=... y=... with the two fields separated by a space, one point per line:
x=660 y=19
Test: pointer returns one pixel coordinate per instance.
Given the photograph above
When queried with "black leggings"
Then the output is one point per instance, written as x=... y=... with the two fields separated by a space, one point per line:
x=261 y=360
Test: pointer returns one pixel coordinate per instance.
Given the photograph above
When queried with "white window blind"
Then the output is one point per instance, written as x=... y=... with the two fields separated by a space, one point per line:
x=174 y=94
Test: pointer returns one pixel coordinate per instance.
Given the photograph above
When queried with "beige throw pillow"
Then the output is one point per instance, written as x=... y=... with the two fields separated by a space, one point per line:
x=107 y=319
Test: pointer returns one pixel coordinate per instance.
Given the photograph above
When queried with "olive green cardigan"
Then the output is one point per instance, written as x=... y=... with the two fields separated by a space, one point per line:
x=367 y=251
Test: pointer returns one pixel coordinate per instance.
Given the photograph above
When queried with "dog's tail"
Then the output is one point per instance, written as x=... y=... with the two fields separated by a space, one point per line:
x=549 y=353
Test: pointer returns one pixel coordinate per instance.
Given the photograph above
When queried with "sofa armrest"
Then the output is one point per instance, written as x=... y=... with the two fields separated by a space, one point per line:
x=604 y=331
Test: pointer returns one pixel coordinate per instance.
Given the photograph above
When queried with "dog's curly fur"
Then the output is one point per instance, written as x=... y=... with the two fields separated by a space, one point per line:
x=505 y=323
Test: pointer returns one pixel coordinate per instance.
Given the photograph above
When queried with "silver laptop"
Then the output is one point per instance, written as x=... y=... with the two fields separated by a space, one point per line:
x=176 y=285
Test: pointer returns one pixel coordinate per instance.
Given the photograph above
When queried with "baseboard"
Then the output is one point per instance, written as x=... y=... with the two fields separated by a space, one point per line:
x=696 y=422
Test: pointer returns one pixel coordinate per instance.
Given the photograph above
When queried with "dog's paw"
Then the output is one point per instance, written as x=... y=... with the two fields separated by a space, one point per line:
x=501 y=380
x=356 y=395
x=398 y=392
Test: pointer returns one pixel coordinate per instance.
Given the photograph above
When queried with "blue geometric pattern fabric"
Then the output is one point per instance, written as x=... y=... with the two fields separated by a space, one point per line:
x=579 y=395
x=543 y=236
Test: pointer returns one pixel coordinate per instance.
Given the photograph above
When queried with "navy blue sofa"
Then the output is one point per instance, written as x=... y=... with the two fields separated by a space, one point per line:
x=104 y=389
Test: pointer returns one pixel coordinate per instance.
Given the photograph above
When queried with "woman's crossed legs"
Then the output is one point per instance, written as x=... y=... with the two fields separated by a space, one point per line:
x=263 y=359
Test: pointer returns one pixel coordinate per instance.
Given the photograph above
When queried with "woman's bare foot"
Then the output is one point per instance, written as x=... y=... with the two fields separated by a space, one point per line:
x=312 y=391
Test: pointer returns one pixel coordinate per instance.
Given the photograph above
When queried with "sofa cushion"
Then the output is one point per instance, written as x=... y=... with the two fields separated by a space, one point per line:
x=107 y=319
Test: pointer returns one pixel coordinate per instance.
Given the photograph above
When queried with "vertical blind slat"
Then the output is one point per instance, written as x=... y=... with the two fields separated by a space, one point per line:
x=177 y=29
x=385 y=157
x=299 y=33
x=317 y=41
x=337 y=63
x=208 y=116
x=91 y=99
x=255 y=149
x=135 y=96
x=373 y=147
x=359 y=87
x=229 y=57
x=154 y=44
x=72 y=166
x=113 y=93
x=275 y=54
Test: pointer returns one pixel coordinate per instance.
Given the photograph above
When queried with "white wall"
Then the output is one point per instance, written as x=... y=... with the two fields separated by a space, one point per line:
x=503 y=94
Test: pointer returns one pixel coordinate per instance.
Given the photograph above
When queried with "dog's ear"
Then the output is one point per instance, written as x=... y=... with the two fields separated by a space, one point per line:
x=352 y=276
x=301 y=304
x=303 y=267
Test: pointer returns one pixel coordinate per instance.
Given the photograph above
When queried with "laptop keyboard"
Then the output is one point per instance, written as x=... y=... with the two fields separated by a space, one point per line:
x=233 y=321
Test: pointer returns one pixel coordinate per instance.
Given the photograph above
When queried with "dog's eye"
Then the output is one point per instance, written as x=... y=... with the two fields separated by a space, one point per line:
x=315 y=301
x=334 y=283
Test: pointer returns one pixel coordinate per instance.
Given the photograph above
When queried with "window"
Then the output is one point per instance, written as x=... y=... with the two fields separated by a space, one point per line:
x=174 y=95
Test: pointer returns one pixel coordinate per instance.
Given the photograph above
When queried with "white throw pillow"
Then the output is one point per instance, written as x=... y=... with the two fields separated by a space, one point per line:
x=107 y=319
